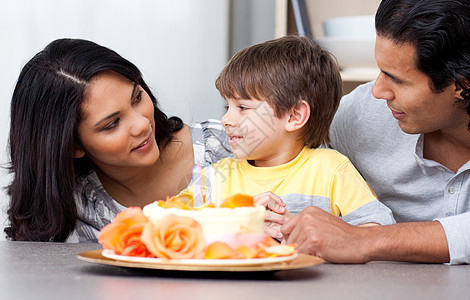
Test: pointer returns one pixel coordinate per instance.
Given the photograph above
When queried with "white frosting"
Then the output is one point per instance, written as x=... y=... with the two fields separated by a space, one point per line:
x=234 y=226
x=216 y=221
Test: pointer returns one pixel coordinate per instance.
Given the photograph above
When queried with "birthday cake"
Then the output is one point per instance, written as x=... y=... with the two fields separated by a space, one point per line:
x=235 y=226
x=172 y=230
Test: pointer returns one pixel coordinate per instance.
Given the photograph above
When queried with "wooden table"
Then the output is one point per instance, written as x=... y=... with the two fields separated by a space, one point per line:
x=52 y=271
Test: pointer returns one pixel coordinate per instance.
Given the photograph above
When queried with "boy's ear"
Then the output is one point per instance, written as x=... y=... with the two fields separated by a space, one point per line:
x=298 y=116
x=78 y=153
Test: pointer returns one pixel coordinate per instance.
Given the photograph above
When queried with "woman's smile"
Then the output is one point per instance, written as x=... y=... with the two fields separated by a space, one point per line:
x=145 y=145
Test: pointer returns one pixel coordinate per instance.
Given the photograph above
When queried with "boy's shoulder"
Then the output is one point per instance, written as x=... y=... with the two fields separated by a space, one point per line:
x=324 y=160
x=317 y=156
x=326 y=154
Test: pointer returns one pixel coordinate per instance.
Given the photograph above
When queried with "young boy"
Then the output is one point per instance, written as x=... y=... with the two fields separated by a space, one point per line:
x=281 y=98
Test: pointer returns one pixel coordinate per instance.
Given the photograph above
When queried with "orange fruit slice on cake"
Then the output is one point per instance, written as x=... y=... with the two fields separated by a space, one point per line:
x=238 y=200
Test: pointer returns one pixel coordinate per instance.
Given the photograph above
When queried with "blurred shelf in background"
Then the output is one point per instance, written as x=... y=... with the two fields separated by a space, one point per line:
x=287 y=21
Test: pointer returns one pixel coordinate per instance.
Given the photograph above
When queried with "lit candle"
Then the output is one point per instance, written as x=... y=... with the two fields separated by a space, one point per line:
x=212 y=184
x=198 y=199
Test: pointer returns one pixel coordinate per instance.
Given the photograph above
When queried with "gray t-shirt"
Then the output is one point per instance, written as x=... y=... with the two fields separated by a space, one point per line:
x=96 y=207
x=391 y=161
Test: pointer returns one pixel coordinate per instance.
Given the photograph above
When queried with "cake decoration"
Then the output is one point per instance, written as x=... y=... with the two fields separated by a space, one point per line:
x=173 y=230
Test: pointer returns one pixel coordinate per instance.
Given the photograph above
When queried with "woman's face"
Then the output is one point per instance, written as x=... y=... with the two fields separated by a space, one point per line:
x=118 y=126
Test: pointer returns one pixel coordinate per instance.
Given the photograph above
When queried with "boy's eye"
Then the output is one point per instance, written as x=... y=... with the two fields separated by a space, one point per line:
x=225 y=107
x=241 y=107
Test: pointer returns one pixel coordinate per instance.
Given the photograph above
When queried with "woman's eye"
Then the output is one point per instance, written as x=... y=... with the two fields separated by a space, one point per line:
x=138 y=97
x=112 y=125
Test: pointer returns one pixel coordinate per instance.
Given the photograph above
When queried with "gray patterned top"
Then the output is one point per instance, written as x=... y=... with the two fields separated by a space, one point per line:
x=96 y=207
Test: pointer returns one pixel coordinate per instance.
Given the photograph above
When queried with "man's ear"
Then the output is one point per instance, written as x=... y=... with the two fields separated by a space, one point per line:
x=298 y=116
x=458 y=89
x=78 y=153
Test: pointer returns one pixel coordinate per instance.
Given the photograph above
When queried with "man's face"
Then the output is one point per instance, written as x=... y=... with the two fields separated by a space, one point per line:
x=409 y=96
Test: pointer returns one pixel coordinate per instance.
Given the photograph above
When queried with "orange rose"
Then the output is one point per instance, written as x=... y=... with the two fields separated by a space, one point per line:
x=174 y=237
x=123 y=234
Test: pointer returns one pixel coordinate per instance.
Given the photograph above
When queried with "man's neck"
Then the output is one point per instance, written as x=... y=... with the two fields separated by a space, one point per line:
x=451 y=149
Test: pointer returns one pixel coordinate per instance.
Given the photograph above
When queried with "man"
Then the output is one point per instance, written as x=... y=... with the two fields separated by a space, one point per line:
x=408 y=134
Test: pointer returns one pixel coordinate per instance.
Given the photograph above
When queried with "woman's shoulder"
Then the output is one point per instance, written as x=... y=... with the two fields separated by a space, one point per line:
x=209 y=127
x=88 y=183
x=210 y=142
x=95 y=207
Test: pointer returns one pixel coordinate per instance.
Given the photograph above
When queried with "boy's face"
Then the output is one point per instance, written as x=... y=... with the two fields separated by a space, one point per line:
x=254 y=131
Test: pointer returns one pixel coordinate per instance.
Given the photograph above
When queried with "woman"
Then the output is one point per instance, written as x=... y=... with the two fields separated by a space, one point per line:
x=87 y=139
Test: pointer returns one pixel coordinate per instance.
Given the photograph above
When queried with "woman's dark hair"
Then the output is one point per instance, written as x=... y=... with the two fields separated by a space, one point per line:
x=45 y=113
x=440 y=31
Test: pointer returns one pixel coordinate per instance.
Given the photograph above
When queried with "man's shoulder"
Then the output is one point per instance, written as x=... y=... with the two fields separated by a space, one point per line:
x=362 y=120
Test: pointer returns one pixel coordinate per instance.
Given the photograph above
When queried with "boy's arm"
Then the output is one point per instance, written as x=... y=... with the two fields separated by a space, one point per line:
x=318 y=233
x=353 y=200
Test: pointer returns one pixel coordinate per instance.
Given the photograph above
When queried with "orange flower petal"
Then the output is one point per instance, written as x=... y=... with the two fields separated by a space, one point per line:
x=260 y=253
x=271 y=247
x=247 y=252
x=131 y=215
x=280 y=250
x=136 y=248
x=269 y=241
x=110 y=236
x=220 y=250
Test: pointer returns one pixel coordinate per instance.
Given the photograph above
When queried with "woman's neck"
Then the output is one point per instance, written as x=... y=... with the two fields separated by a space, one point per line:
x=167 y=177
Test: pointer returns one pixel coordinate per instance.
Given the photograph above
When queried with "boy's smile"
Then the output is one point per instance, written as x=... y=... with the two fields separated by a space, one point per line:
x=233 y=139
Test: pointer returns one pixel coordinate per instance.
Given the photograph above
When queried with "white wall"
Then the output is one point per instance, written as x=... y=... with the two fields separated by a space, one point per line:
x=179 y=45
x=252 y=21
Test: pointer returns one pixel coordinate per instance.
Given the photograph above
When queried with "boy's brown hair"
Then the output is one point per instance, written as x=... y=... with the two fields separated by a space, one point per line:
x=283 y=72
